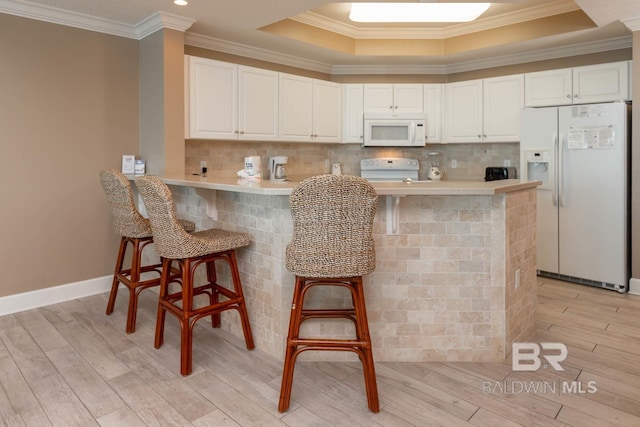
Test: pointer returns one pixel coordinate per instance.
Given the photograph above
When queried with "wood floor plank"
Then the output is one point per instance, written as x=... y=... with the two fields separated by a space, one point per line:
x=493 y=402
x=41 y=330
x=583 y=401
x=230 y=401
x=485 y=418
x=17 y=396
x=60 y=403
x=607 y=338
x=569 y=318
x=216 y=418
x=427 y=394
x=29 y=358
x=122 y=417
x=91 y=389
x=576 y=418
x=94 y=350
x=149 y=405
x=487 y=385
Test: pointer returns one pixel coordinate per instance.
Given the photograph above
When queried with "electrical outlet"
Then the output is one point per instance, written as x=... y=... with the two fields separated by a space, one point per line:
x=507 y=162
x=454 y=164
x=517 y=280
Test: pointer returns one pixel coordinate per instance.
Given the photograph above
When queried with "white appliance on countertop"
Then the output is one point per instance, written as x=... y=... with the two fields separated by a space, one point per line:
x=394 y=169
x=278 y=168
x=398 y=130
x=580 y=153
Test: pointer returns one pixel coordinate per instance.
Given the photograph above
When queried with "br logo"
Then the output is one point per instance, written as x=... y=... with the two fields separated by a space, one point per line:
x=526 y=355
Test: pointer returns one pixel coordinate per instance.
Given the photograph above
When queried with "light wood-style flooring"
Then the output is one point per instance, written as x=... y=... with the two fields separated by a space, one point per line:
x=71 y=365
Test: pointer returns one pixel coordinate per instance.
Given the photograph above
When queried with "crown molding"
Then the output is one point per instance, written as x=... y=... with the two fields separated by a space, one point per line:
x=160 y=20
x=87 y=22
x=632 y=24
x=544 y=54
x=166 y=20
x=206 y=42
x=482 y=24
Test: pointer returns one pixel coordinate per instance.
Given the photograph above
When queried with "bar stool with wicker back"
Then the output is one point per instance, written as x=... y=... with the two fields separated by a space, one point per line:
x=190 y=251
x=134 y=230
x=332 y=245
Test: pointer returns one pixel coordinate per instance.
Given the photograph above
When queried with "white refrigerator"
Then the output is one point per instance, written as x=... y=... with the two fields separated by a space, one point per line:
x=581 y=155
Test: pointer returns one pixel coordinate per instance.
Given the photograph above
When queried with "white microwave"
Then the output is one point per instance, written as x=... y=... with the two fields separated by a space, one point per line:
x=402 y=130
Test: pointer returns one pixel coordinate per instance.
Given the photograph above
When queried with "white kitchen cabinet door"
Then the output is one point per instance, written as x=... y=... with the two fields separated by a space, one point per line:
x=213 y=101
x=327 y=111
x=503 y=101
x=353 y=96
x=601 y=83
x=393 y=98
x=296 y=108
x=257 y=104
x=553 y=87
x=463 y=111
x=579 y=85
x=433 y=113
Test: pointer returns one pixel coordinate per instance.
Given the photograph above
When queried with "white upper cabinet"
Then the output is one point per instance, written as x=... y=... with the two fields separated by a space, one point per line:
x=463 y=111
x=229 y=101
x=579 y=85
x=393 y=98
x=213 y=99
x=502 y=103
x=433 y=113
x=310 y=109
x=257 y=104
x=353 y=95
x=484 y=110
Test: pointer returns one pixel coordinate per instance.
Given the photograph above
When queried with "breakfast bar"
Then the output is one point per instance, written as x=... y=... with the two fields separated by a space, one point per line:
x=455 y=264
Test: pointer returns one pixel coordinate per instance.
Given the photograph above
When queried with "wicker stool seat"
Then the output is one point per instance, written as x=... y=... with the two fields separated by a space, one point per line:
x=134 y=230
x=189 y=251
x=332 y=245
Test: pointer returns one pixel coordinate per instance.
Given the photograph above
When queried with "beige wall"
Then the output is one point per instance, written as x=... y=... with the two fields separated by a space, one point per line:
x=68 y=108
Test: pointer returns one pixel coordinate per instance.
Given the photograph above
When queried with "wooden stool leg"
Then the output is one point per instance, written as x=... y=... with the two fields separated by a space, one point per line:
x=186 y=326
x=116 y=273
x=290 y=351
x=162 y=297
x=242 y=306
x=214 y=296
x=136 y=261
x=362 y=326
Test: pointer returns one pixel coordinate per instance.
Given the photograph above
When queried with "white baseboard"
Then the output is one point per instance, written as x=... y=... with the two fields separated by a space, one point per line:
x=42 y=297
x=634 y=286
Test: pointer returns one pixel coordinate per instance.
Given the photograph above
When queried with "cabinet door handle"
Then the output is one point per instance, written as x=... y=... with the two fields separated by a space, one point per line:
x=568 y=95
x=576 y=96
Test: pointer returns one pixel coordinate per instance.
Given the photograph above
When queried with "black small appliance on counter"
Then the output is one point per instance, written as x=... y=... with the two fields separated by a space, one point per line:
x=494 y=173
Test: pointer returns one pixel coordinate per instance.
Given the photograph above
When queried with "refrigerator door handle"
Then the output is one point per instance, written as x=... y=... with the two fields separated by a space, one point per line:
x=554 y=186
x=560 y=169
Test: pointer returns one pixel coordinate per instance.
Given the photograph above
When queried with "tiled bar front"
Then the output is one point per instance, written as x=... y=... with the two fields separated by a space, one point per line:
x=443 y=288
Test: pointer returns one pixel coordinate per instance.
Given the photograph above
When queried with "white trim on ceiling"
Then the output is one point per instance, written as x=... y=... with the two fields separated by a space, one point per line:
x=166 y=20
x=87 y=22
x=482 y=24
x=219 y=45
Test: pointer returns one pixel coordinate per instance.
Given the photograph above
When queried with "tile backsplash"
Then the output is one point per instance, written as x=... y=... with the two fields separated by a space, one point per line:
x=225 y=158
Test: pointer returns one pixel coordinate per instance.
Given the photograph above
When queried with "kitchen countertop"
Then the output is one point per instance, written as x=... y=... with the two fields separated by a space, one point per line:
x=419 y=188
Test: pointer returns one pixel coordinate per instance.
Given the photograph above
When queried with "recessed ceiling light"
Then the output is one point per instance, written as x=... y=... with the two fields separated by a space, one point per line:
x=181 y=2
x=417 y=12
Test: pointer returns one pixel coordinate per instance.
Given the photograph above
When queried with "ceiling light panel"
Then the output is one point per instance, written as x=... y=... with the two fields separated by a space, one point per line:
x=417 y=12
